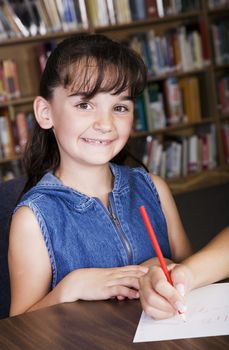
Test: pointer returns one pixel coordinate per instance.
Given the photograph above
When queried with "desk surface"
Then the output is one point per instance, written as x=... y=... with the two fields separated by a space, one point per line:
x=100 y=325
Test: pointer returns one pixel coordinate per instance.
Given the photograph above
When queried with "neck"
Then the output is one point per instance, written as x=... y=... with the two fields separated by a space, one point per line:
x=94 y=181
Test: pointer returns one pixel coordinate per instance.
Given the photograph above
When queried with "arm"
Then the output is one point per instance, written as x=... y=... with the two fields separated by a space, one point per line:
x=179 y=243
x=211 y=263
x=158 y=298
x=31 y=274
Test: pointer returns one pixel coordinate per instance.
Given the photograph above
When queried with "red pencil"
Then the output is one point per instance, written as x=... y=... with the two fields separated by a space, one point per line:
x=156 y=245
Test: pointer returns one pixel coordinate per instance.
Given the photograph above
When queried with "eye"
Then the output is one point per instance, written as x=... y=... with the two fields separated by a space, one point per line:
x=121 y=108
x=83 y=105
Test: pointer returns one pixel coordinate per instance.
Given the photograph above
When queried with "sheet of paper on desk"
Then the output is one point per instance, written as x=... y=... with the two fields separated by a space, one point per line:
x=207 y=315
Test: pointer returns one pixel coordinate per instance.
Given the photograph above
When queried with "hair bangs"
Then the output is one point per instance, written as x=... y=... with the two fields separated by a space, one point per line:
x=91 y=75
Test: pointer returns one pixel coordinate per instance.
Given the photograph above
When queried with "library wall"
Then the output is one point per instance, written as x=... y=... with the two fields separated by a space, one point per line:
x=181 y=127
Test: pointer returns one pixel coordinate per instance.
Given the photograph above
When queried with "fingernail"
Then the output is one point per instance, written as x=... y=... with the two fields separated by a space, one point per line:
x=180 y=288
x=180 y=306
x=145 y=269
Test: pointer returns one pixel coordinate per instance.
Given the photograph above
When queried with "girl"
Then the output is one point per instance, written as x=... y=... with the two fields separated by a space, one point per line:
x=77 y=231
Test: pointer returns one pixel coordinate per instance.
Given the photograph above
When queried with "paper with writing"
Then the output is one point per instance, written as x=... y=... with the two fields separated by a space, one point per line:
x=207 y=315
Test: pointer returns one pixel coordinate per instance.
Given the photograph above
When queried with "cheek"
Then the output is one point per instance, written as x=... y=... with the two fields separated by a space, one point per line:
x=125 y=128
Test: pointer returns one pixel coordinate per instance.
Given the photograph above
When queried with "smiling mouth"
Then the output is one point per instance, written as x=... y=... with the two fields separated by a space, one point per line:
x=97 y=142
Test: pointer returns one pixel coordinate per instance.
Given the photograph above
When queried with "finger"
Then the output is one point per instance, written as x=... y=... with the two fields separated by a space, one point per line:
x=158 y=314
x=182 y=279
x=155 y=301
x=130 y=281
x=123 y=291
x=137 y=268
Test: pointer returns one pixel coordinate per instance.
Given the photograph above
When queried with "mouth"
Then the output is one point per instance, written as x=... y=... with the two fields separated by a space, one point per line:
x=97 y=141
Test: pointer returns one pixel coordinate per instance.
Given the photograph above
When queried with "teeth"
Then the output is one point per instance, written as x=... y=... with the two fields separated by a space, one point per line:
x=96 y=141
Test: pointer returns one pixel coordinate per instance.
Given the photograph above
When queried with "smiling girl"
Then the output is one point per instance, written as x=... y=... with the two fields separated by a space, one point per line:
x=77 y=232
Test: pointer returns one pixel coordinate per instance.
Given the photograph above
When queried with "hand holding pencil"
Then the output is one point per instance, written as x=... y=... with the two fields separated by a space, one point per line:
x=159 y=298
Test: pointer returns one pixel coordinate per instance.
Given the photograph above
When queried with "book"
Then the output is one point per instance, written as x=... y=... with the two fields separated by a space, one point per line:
x=7 y=142
x=137 y=9
x=52 y=12
x=190 y=92
x=10 y=77
x=15 y=22
x=67 y=14
x=22 y=129
x=193 y=152
x=140 y=123
x=225 y=141
x=151 y=8
x=154 y=106
x=173 y=98
x=122 y=10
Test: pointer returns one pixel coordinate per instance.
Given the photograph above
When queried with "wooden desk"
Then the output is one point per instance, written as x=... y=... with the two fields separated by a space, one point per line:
x=100 y=325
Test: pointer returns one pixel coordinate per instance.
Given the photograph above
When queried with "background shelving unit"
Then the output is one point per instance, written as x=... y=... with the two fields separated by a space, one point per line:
x=26 y=51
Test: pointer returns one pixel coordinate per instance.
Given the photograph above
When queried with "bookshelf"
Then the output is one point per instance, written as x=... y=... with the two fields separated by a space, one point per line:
x=188 y=146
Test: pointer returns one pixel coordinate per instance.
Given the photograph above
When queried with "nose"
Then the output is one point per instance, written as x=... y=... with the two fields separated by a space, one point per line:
x=103 y=122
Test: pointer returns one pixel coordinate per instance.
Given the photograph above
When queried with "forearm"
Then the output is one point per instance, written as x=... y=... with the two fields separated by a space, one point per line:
x=61 y=293
x=211 y=263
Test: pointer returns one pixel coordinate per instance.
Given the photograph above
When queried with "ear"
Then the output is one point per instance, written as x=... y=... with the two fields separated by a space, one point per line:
x=42 y=110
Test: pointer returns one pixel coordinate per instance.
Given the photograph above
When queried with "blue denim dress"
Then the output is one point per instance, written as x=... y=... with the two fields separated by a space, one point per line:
x=79 y=232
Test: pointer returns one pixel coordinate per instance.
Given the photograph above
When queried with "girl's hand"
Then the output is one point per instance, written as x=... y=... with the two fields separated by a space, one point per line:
x=158 y=297
x=101 y=284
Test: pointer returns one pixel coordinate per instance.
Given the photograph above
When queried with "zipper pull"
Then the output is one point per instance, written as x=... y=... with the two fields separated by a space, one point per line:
x=113 y=217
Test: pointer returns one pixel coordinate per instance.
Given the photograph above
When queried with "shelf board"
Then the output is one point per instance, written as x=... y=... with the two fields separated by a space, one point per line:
x=17 y=101
x=199 y=180
x=221 y=67
x=137 y=134
x=224 y=116
x=37 y=38
x=220 y=11
x=10 y=159
x=179 y=73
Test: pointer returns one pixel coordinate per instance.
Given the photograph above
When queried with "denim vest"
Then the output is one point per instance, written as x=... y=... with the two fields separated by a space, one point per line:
x=79 y=232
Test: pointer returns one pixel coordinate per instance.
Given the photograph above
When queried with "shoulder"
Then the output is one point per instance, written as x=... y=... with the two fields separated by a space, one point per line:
x=161 y=186
x=24 y=222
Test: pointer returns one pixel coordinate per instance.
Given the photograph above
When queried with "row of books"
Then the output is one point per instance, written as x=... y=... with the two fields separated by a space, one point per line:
x=220 y=35
x=167 y=103
x=179 y=49
x=14 y=133
x=225 y=140
x=181 y=155
x=9 y=84
x=223 y=94
x=113 y=12
x=38 y=17
x=215 y=4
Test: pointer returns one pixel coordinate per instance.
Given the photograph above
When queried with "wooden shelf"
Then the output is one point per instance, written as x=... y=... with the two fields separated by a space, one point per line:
x=180 y=74
x=39 y=38
x=17 y=101
x=10 y=159
x=137 y=134
x=199 y=180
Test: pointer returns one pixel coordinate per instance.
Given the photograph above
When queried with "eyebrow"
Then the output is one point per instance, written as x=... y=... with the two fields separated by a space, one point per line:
x=84 y=94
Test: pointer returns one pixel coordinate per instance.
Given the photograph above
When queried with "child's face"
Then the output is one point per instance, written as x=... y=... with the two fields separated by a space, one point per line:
x=90 y=132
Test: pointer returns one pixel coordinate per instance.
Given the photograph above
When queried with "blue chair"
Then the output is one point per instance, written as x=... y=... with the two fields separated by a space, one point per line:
x=9 y=194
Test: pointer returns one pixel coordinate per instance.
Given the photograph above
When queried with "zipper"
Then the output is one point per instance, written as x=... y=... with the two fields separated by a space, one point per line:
x=119 y=229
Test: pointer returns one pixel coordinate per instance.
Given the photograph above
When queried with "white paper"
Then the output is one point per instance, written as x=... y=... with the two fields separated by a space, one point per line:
x=207 y=315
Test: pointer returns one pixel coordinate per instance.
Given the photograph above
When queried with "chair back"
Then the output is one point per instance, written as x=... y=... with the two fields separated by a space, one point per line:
x=9 y=194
